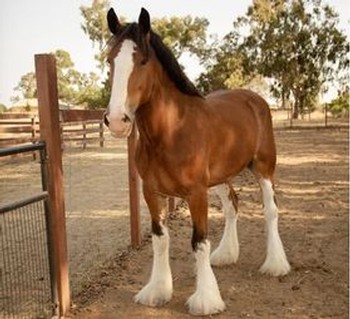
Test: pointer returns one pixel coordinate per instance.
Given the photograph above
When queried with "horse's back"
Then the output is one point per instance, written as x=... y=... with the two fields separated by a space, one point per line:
x=242 y=119
x=241 y=104
x=238 y=98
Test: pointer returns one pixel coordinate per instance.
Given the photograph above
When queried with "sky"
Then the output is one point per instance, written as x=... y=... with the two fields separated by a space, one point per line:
x=42 y=26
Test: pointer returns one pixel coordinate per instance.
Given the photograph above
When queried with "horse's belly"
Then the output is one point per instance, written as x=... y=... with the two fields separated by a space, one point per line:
x=226 y=162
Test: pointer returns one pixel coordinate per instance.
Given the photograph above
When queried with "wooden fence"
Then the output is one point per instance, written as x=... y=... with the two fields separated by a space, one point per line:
x=18 y=128
x=80 y=126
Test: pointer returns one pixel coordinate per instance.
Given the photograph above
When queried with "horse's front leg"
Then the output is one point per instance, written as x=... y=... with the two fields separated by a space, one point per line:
x=207 y=299
x=160 y=286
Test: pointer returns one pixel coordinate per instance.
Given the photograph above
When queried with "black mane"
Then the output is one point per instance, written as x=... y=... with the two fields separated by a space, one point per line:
x=172 y=67
x=164 y=55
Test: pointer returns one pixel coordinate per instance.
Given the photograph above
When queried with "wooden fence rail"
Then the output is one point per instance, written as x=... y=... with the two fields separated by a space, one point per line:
x=79 y=126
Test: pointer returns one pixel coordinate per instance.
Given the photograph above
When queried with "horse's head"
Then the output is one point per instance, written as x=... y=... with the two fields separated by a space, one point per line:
x=130 y=71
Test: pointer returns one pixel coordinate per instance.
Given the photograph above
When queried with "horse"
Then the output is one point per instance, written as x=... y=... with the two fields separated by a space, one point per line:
x=188 y=143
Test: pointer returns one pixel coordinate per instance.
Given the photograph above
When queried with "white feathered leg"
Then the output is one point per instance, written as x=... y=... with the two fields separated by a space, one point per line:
x=207 y=299
x=276 y=263
x=160 y=286
x=228 y=250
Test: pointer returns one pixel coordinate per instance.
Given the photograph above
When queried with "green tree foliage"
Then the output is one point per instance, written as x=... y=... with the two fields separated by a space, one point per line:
x=26 y=87
x=178 y=33
x=296 y=43
x=339 y=107
x=224 y=69
x=67 y=77
x=77 y=88
x=95 y=26
x=74 y=88
x=182 y=34
x=92 y=93
x=3 y=108
x=95 y=23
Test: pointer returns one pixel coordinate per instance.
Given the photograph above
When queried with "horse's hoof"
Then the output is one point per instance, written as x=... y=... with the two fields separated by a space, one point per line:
x=222 y=258
x=153 y=296
x=275 y=268
x=199 y=305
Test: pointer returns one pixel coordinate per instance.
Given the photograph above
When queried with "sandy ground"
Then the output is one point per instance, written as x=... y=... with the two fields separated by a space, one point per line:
x=312 y=193
x=96 y=200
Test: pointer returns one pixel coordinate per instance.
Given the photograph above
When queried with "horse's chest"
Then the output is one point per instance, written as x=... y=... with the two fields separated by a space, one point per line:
x=162 y=171
x=154 y=169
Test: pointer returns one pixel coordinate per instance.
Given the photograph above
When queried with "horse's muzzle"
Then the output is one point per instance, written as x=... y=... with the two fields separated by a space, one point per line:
x=120 y=126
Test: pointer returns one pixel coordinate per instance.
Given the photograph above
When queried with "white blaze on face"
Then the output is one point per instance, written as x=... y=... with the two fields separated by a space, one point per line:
x=123 y=66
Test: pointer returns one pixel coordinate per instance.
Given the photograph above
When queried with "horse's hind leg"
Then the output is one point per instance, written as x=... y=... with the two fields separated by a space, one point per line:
x=160 y=286
x=276 y=262
x=228 y=250
x=263 y=166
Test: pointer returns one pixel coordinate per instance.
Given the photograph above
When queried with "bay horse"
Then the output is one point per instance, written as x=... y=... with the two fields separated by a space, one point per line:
x=188 y=143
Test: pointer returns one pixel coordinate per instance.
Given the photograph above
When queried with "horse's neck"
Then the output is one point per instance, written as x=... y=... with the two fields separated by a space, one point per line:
x=160 y=116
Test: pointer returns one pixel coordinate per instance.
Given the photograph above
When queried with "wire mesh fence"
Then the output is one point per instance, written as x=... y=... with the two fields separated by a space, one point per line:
x=25 y=277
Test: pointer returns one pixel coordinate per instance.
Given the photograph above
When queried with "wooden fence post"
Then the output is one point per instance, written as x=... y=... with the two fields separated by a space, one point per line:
x=33 y=122
x=101 y=134
x=134 y=191
x=84 y=135
x=46 y=77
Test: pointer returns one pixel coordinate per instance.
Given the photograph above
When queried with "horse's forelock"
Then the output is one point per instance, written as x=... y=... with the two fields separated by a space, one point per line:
x=132 y=32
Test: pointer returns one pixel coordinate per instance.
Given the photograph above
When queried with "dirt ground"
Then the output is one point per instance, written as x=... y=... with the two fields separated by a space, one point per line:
x=96 y=201
x=312 y=193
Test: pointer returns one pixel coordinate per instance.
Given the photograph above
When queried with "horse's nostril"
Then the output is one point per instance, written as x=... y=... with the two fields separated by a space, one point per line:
x=126 y=119
x=105 y=119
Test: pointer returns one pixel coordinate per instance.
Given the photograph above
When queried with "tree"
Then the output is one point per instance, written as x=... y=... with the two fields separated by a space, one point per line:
x=68 y=79
x=91 y=93
x=2 y=108
x=296 y=43
x=178 y=33
x=340 y=105
x=78 y=88
x=95 y=26
x=73 y=87
x=224 y=68
x=26 y=87
x=184 y=34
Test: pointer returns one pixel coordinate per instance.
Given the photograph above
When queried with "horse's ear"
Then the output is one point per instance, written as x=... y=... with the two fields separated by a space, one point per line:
x=144 y=22
x=113 y=21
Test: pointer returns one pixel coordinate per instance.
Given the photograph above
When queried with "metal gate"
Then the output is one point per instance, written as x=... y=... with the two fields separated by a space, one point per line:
x=27 y=281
